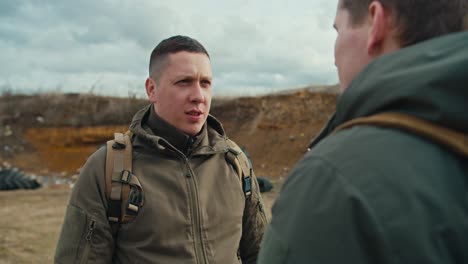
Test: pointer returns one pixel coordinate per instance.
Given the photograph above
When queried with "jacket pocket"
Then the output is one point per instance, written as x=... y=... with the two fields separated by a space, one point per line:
x=75 y=242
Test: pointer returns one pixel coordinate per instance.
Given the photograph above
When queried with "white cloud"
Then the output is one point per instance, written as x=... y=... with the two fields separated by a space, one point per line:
x=72 y=46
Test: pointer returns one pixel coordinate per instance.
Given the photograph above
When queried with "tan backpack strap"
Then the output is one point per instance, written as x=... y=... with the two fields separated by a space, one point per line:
x=237 y=158
x=231 y=157
x=455 y=141
x=126 y=173
x=109 y=167
x=123 y=189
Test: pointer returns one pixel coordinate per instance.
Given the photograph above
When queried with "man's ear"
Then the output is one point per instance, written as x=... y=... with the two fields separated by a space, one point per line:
x=150 y=85
x=379 y=19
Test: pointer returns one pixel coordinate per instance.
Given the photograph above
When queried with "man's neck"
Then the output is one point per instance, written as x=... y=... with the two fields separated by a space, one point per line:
x=183 y=142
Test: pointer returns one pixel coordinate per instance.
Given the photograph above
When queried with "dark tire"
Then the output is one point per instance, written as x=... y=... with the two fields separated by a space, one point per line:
x=6 y=180
x=12 y=179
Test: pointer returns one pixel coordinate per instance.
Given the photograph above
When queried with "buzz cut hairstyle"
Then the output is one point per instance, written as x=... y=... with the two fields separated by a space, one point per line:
x=169 y=46
x=416 y=20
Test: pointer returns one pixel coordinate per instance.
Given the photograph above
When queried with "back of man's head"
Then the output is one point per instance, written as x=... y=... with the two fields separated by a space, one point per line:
x=416 y=20
x=169 y=46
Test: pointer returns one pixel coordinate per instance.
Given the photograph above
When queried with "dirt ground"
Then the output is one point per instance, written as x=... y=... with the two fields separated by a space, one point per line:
x=31 y=223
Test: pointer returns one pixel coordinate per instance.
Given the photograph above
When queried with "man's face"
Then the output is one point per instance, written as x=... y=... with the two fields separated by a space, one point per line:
x=182 y=93
x=351 y=54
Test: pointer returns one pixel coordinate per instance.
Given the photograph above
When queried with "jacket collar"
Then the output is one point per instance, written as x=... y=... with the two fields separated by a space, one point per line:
x=171 y=134
x=325 y=131
x=153 y=132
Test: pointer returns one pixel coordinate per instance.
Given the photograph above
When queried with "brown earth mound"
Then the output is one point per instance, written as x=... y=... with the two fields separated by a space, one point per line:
x=276 y=129
x=55 y=133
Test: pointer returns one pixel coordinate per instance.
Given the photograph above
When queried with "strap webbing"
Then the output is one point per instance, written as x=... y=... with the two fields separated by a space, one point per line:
x=123 y=189
x=453 y=140
x=232 y=158
x=242 y=165
x=127 y=166
x=109 y=167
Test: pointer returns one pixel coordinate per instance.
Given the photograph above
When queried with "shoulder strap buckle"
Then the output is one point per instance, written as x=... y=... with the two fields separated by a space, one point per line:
x=247 y=186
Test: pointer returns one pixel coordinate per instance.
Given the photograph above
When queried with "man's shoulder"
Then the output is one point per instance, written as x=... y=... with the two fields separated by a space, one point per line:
x=367 y=140
x=98 y=156
x=378 y=164
x=361 y=166
x=94 y=165
x=371 y=160
x=371 y=148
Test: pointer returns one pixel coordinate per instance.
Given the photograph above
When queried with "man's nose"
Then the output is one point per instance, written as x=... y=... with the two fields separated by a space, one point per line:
x=197 y=94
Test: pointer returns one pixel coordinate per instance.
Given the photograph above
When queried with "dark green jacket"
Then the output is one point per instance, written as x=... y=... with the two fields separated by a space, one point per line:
x=195 y=210
x=378 y=195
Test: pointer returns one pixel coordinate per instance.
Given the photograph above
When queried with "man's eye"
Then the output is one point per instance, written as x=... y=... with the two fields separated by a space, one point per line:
x=183 y=82
x=206 y=83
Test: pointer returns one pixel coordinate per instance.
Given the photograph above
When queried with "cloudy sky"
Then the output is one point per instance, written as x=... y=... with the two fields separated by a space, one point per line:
x=103 y=46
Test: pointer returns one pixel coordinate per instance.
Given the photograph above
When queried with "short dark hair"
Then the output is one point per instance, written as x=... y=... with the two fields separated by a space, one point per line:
x=169 y=46
x=417 y=20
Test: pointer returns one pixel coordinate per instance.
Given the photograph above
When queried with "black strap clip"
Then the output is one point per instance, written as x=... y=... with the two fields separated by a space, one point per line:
x=247 y=185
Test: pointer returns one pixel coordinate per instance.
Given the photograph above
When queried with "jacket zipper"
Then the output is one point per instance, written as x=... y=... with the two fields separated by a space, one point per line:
x=196 y=222
x=89 y=236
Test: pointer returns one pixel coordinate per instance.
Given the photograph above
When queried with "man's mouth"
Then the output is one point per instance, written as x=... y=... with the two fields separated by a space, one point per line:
x=194 y=112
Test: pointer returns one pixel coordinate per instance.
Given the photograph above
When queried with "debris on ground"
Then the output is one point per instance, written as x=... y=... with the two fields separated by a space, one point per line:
x=264 y=184
x=13 y=179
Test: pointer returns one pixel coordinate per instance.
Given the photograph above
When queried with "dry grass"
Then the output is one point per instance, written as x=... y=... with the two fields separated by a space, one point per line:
x=31 y=222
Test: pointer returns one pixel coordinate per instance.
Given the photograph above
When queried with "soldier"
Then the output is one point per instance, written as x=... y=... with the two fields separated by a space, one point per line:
x=386 y=180
x=191 y=197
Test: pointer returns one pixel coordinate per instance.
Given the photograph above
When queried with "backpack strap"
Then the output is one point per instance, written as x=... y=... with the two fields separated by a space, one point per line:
x=453 y=140
x=243 y=166
x=123 y=189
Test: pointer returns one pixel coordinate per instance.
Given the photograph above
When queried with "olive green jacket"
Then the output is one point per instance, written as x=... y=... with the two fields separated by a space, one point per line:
x=380 y=195
x=195 y=210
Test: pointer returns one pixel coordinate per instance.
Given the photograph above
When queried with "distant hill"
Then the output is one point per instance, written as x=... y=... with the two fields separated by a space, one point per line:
x=54 y=133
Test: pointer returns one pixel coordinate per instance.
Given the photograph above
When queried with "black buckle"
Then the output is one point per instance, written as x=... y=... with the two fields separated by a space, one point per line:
x=247 y=186
x=134 y=200
x=117 y=145
x=114 y=211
